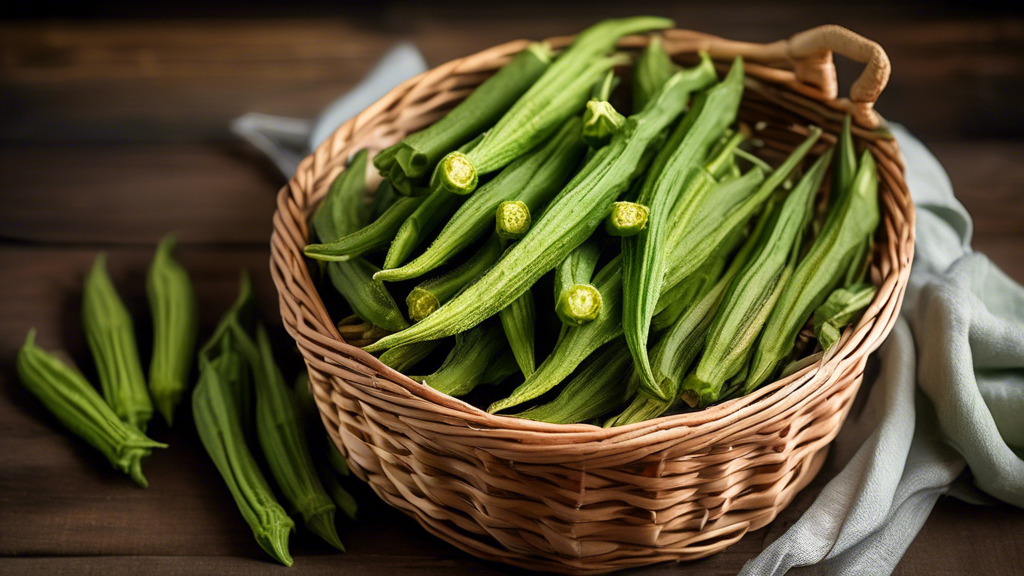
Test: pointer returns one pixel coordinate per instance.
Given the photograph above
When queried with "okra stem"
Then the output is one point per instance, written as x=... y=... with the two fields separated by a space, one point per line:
x=517 y=320
x=512 y=220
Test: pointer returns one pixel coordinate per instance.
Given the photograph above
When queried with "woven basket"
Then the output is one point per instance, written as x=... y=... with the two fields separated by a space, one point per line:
x=577 y=498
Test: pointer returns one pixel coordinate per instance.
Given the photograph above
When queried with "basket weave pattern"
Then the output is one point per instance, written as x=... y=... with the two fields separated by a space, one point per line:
x=576 y=498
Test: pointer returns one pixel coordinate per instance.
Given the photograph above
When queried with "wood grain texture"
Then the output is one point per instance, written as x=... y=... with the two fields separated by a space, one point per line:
x=115 y=132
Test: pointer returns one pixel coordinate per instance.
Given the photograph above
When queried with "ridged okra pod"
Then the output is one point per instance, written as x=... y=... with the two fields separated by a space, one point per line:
x=517 y=320
x=428 y=296
x=478 y=357
x=753 y=294
x=172 y=302
x=377 y=234
x=558 y=94
x=532 y=179
x=849 y=222
x=644 y=255
x=596 y=390
x=282 y=438
x=843 y=307
x=111 y=337
x=652 y=69
x=512 y=220
x=570 y=218
x=402 y=358
x=77 y=405
x=341 y=213
x=217 y=418
x=417 y=153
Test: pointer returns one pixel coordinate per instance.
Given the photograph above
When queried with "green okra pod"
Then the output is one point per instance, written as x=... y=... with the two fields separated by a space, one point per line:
x=69 y=397
x=512 y=220
x=600 y=119
x=533 y=179
x=417 y=153
x=283 y=439
x=853 y=219
x=478 y=357
x=517 y=320
x=402 y=358
x=558 y=94
x=369 y=299
x=753 y=294
x=570 y=218
x=596 y=390
x=172 y=302
x=428 y=296
x=111 y=338
x=218 y=422
x=843 y=307
x=377 y=234
x=644 y=255
x=626 y=219
x=650 y=72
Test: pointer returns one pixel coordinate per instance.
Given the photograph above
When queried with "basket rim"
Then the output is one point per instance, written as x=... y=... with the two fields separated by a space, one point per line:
x=779 y=396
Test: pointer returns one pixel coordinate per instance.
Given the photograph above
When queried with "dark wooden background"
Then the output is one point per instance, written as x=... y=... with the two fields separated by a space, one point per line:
x=113 y=132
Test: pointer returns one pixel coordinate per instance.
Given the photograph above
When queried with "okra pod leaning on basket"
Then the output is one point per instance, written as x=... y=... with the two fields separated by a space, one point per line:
x=417 y=153
x=217 y=419
x=74 y=401
x=111 y=337
x=650 y=71
x=172 y=302
x=577 y=301
x=353 y=279
x=571 y=217
x=377 y=234
x=402 y=358
x=596 y=390
x=849 y=222
x=283 y=439
x=558 y=94
x=479 y=357
x=644 y=255
x=842 y=308
x=428 y=296
x=753 y=294
x=438 y=206
x=533 y=179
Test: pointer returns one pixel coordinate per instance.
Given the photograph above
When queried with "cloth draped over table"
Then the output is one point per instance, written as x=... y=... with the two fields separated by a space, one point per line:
x=949 y=394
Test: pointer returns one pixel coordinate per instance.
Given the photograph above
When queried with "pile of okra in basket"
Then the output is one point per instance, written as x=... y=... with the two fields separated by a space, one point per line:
x=565 y=259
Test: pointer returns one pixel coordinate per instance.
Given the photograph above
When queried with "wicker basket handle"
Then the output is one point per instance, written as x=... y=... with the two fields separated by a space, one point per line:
x=810 y=53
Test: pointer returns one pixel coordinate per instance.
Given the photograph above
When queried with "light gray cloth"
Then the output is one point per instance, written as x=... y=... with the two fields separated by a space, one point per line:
x=950 y=395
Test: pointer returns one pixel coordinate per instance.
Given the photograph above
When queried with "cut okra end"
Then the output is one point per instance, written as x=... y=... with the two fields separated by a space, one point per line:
x=512 y=220
x=542 y=50
x=627 y=219
x=458 y=174
x=421 y=304
x=580 y=304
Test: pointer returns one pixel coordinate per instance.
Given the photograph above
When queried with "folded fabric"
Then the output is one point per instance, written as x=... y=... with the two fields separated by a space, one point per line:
x=949 y=395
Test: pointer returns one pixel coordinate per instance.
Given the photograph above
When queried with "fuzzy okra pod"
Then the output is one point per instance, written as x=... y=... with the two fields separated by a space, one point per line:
x=428 y=296
x=172 y=302
x=478 y=357
x=517 y=320
x=754 y=292
x=111 y=338
x=417 y=153
x=849 y=222
x=596 y=390
x=558 y=94
x=217 y=418
x=843 y=307
x=651 y=70
x=69 y=397
x=340 y=214
x=512 y=220
x=402 y=358
x=371 y=237
x=644 y=255
x=571 y=217
x=532 y=179
x=577 y=301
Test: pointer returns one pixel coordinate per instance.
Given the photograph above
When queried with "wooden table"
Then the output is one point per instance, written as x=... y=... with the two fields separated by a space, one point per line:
x=114 y=132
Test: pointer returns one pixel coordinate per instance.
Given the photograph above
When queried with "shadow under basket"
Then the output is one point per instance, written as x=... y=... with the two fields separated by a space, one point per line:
x=577 y=498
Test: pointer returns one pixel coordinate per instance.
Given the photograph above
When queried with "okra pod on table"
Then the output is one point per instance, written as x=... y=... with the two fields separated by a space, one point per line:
x=77 y=405
x=652 y=69
x=478 y=357
x=428 y=296
x=533 y=179
x=417 y=153
x=753 y=294
x=596 y=390
x=172 y=302
x=849 y=222
x=558 y=94
x=571 y=217
x=111 y=338
x=644 y=255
